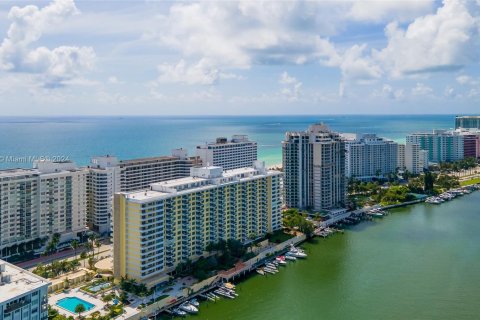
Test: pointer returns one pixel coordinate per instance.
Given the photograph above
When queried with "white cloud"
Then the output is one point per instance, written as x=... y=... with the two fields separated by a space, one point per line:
x=291 y=89
x=444 y=41
x=388 y=92
x=53 y=66
x=421 y=90
x=358 y=68
x=240 y=34
x=388 y=10
x=450 y=92
x=467 y=80
x=203 y=73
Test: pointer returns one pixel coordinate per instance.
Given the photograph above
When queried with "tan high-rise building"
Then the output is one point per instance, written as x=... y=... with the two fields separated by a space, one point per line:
x=314 y=169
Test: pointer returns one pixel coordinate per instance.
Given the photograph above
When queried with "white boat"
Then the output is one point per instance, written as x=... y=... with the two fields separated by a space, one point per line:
x=297 y=254
x=289 y=257
x=187 y=307
x=268 y=270
x=194 y=302
x=223 y=293
x=281 y=262
x=260 y=271
x=179 y=312
x=271 y=265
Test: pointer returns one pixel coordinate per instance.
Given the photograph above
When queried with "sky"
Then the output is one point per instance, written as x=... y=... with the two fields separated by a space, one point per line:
x=85 y=57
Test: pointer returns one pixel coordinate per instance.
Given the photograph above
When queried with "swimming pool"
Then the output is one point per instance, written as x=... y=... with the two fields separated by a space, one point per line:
x=70 y=303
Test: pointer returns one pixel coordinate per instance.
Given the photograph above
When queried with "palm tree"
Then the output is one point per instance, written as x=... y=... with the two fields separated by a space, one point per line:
x=98 y=244
x=74 y=245
x=89 y=247
x=83 y=256
x=79 y=309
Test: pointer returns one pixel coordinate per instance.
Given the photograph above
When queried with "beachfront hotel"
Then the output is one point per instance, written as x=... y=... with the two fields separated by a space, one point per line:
x=39 y=202
x=23 y=295
x=467 y=122
x=314 y=169
x=442 y=145
x=173 y=221
x=369 y=156
x=239 y=152
x=108 y=175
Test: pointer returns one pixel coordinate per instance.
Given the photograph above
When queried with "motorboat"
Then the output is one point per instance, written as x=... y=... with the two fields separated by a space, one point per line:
x=297 y=254
x=187 y=307
x=260 y=271
x=223 y=294
x=289 y=257
x=179 y=312
x=195 y=303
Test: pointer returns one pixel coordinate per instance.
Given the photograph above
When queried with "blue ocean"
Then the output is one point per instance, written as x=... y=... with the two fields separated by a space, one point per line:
x=24 y=139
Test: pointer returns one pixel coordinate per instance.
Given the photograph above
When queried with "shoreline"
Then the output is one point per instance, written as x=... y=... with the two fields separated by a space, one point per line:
x=245 y=274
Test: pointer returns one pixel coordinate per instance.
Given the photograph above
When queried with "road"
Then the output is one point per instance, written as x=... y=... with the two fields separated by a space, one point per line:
x=105 y=250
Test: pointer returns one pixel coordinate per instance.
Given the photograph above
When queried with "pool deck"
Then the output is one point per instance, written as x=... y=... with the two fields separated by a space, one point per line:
x=98 y=304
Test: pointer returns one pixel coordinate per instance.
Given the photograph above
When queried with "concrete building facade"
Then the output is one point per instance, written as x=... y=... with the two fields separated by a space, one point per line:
x=109 y=175
x=442 y=145
x=239 y=152
x=37 y=203
x=176 y=220
x=23 y=295
x=369 y=156
x=314 y=169
x=467 y=122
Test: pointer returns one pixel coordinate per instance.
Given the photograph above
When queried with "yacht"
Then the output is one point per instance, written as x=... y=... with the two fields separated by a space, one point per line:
x=187 y=307
x=194 y=302
x=260 y=271
x=291 y=258
x=179 y=312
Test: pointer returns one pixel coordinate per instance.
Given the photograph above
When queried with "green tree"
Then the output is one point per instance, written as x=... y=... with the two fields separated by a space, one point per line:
x=74 y=244
x=79 y=309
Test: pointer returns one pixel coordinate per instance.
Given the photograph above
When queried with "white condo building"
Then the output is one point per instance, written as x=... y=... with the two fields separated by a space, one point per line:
x=37 y=203
x=416 y=159
x=369 y=156
x=174 y=221
x=314 y=169
x=239 y=152
x=442 y=145
x=401 y=157
x=23 y=295
x=109 y=175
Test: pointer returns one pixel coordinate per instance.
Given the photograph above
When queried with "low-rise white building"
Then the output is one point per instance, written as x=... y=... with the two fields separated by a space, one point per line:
x=23 y=295
x=239 y=152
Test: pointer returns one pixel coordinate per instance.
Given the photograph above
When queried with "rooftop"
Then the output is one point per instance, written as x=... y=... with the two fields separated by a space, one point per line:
x=16 y=281
x=166 y=189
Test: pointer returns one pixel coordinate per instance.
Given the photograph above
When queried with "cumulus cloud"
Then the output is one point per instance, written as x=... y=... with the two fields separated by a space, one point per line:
x=240 y=34
x=466 y=80
x=203 y=73
x=443 y=41
x=291 y=87
x=357 y=67
x=388 y=10
x=53 y=66
x=388 y=92
x=421 y=90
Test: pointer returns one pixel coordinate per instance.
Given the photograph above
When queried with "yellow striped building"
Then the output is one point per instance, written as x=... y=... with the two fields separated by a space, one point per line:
x=172 y=221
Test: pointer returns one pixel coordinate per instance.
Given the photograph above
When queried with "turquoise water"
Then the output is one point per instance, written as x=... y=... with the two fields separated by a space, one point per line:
x=80 y=138
x=70 y=303
x=421 y=262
